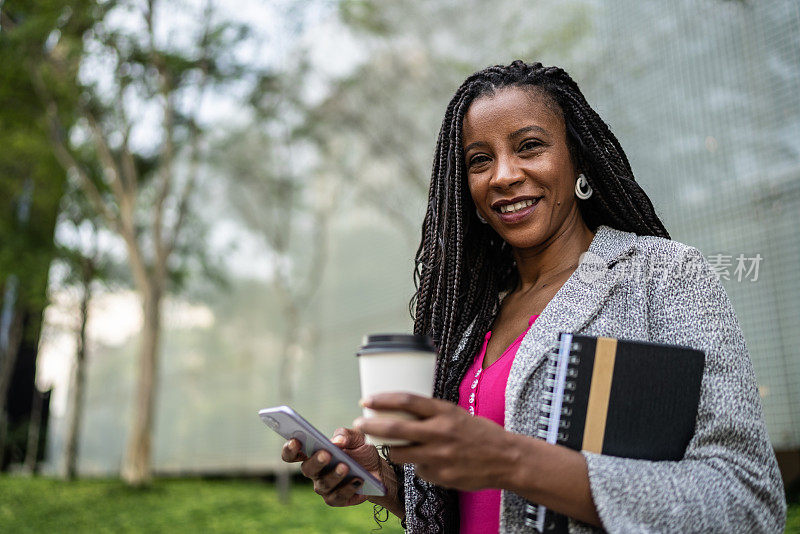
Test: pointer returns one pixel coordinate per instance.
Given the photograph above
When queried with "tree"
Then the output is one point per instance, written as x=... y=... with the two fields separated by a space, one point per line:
x=280 y=194
x=388 y=110
x=144 y=191
x=30 y=190
x=85 y=264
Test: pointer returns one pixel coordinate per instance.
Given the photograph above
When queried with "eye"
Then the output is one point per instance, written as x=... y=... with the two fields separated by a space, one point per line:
x=530 y=144
x=478 y=159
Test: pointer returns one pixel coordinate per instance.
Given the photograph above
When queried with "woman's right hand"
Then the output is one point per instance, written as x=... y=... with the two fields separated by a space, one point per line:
x=328 y=483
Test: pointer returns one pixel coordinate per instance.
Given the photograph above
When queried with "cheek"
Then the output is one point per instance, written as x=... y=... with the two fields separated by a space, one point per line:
x=562 y=180
x=476 y=188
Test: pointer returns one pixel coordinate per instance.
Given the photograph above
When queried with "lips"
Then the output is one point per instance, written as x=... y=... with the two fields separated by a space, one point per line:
x=505 y=202
x=509 y=208
x=519 y=215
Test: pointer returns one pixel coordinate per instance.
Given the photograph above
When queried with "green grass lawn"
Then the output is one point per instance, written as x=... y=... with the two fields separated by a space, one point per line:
x=188 y=505
x=793 y=519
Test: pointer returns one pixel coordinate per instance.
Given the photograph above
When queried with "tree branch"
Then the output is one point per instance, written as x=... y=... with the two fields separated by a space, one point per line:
x=130 y=177
x=115 y=221
x=68 y=161
x=167 y=158
x=319 y=251
x=128 y=164
x=107 y=159
x=194 y=142
x=183 y=207
x=389 y=207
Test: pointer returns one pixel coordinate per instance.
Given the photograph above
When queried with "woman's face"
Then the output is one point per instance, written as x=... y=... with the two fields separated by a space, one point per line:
x=515 y=150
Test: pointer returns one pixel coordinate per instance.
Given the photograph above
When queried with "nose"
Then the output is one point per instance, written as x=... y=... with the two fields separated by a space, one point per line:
x=507 y=172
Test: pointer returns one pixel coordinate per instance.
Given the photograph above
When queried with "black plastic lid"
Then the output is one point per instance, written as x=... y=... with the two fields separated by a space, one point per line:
x=395 y=342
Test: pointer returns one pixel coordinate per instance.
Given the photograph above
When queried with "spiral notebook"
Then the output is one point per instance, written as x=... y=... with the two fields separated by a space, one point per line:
x=632 y=399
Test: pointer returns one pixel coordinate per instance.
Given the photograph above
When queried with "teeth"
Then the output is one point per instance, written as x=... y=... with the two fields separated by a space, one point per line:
x=510 y=208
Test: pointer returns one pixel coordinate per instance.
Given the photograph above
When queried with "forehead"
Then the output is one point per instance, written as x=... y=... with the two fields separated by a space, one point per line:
x=509 y=109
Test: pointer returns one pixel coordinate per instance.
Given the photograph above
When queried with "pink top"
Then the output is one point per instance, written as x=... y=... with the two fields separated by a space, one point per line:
x=480 y=510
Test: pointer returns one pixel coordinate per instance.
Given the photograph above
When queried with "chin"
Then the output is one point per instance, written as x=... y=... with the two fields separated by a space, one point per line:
x=524 y=239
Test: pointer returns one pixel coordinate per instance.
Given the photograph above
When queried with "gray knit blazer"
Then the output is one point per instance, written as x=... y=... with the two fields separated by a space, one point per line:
x=652 y=289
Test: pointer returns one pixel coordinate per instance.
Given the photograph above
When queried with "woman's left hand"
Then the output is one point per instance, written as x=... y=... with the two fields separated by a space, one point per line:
x=448 y=446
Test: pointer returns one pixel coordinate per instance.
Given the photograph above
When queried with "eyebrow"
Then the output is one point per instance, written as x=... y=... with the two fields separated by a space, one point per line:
x=512 y=135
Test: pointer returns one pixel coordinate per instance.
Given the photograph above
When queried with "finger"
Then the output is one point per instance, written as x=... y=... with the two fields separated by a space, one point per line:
x=346 y=494
x=348 y=438
x=327 y=483
x=414 y=454
x=414 y=431
x=292 y=451
x=418 y=405
x=314 y=466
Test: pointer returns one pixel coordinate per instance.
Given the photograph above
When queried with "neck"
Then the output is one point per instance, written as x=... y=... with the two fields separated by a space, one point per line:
x=558 y=254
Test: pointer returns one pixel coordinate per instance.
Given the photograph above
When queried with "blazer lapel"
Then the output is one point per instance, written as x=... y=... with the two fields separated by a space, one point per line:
x=578 y=300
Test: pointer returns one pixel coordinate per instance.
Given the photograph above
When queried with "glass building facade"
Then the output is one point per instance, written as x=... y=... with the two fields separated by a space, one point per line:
x=704 y=96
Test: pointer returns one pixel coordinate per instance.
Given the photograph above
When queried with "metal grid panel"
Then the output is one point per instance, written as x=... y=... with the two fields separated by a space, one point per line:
x=705 y=98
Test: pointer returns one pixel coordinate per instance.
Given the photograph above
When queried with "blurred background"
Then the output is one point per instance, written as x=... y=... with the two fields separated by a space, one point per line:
x=204 y=205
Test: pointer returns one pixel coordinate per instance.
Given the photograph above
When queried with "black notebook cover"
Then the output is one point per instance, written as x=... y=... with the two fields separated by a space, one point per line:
x=631 y=399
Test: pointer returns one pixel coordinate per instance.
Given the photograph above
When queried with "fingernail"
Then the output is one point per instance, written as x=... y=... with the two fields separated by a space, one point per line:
x=340 y=469
x=365 y=402
x=338 y=439
x=356 y=483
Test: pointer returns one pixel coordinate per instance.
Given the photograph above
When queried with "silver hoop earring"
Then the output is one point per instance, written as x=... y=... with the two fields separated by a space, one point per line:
x=582 y=188
x=481 y=219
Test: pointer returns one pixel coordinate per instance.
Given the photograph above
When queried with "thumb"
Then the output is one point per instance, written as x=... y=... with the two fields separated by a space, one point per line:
x=348 y=438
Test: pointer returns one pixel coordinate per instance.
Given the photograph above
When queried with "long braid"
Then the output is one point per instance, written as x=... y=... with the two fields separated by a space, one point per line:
x=461 y=265
x=454 y=237
x=605 y=142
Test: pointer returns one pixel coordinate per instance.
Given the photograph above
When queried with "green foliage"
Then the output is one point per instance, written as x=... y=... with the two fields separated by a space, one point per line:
x=42 y=505
x=129 y=70
x=364 y=15
x=27 y=165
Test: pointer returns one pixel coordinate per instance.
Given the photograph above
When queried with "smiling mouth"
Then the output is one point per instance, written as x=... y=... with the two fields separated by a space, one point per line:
x=521 y=205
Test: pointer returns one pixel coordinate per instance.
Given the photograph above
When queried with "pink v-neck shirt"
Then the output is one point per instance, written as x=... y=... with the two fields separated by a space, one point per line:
x=480 y=510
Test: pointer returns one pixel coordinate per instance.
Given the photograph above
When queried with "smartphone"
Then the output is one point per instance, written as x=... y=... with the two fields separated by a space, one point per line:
x=289 y=424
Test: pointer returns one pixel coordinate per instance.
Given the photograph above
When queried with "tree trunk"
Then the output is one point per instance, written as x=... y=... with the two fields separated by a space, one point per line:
x=285 y=390
x=34 y=428
x=78 y=384
x=136 y=469
x=8 y=360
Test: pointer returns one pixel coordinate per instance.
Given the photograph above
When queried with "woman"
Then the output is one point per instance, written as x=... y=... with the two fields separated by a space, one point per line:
x=527 y=182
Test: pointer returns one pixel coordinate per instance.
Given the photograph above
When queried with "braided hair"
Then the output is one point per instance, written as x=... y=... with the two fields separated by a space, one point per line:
x=461 y=265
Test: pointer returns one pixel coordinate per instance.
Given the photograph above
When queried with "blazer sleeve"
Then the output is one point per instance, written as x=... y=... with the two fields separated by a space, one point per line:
x=728 y=480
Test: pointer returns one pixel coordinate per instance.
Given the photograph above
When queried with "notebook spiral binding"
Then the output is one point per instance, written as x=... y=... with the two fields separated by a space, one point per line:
x=556 y=402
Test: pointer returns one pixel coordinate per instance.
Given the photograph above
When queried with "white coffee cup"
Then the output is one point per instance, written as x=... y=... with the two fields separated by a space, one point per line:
x=395 y=362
